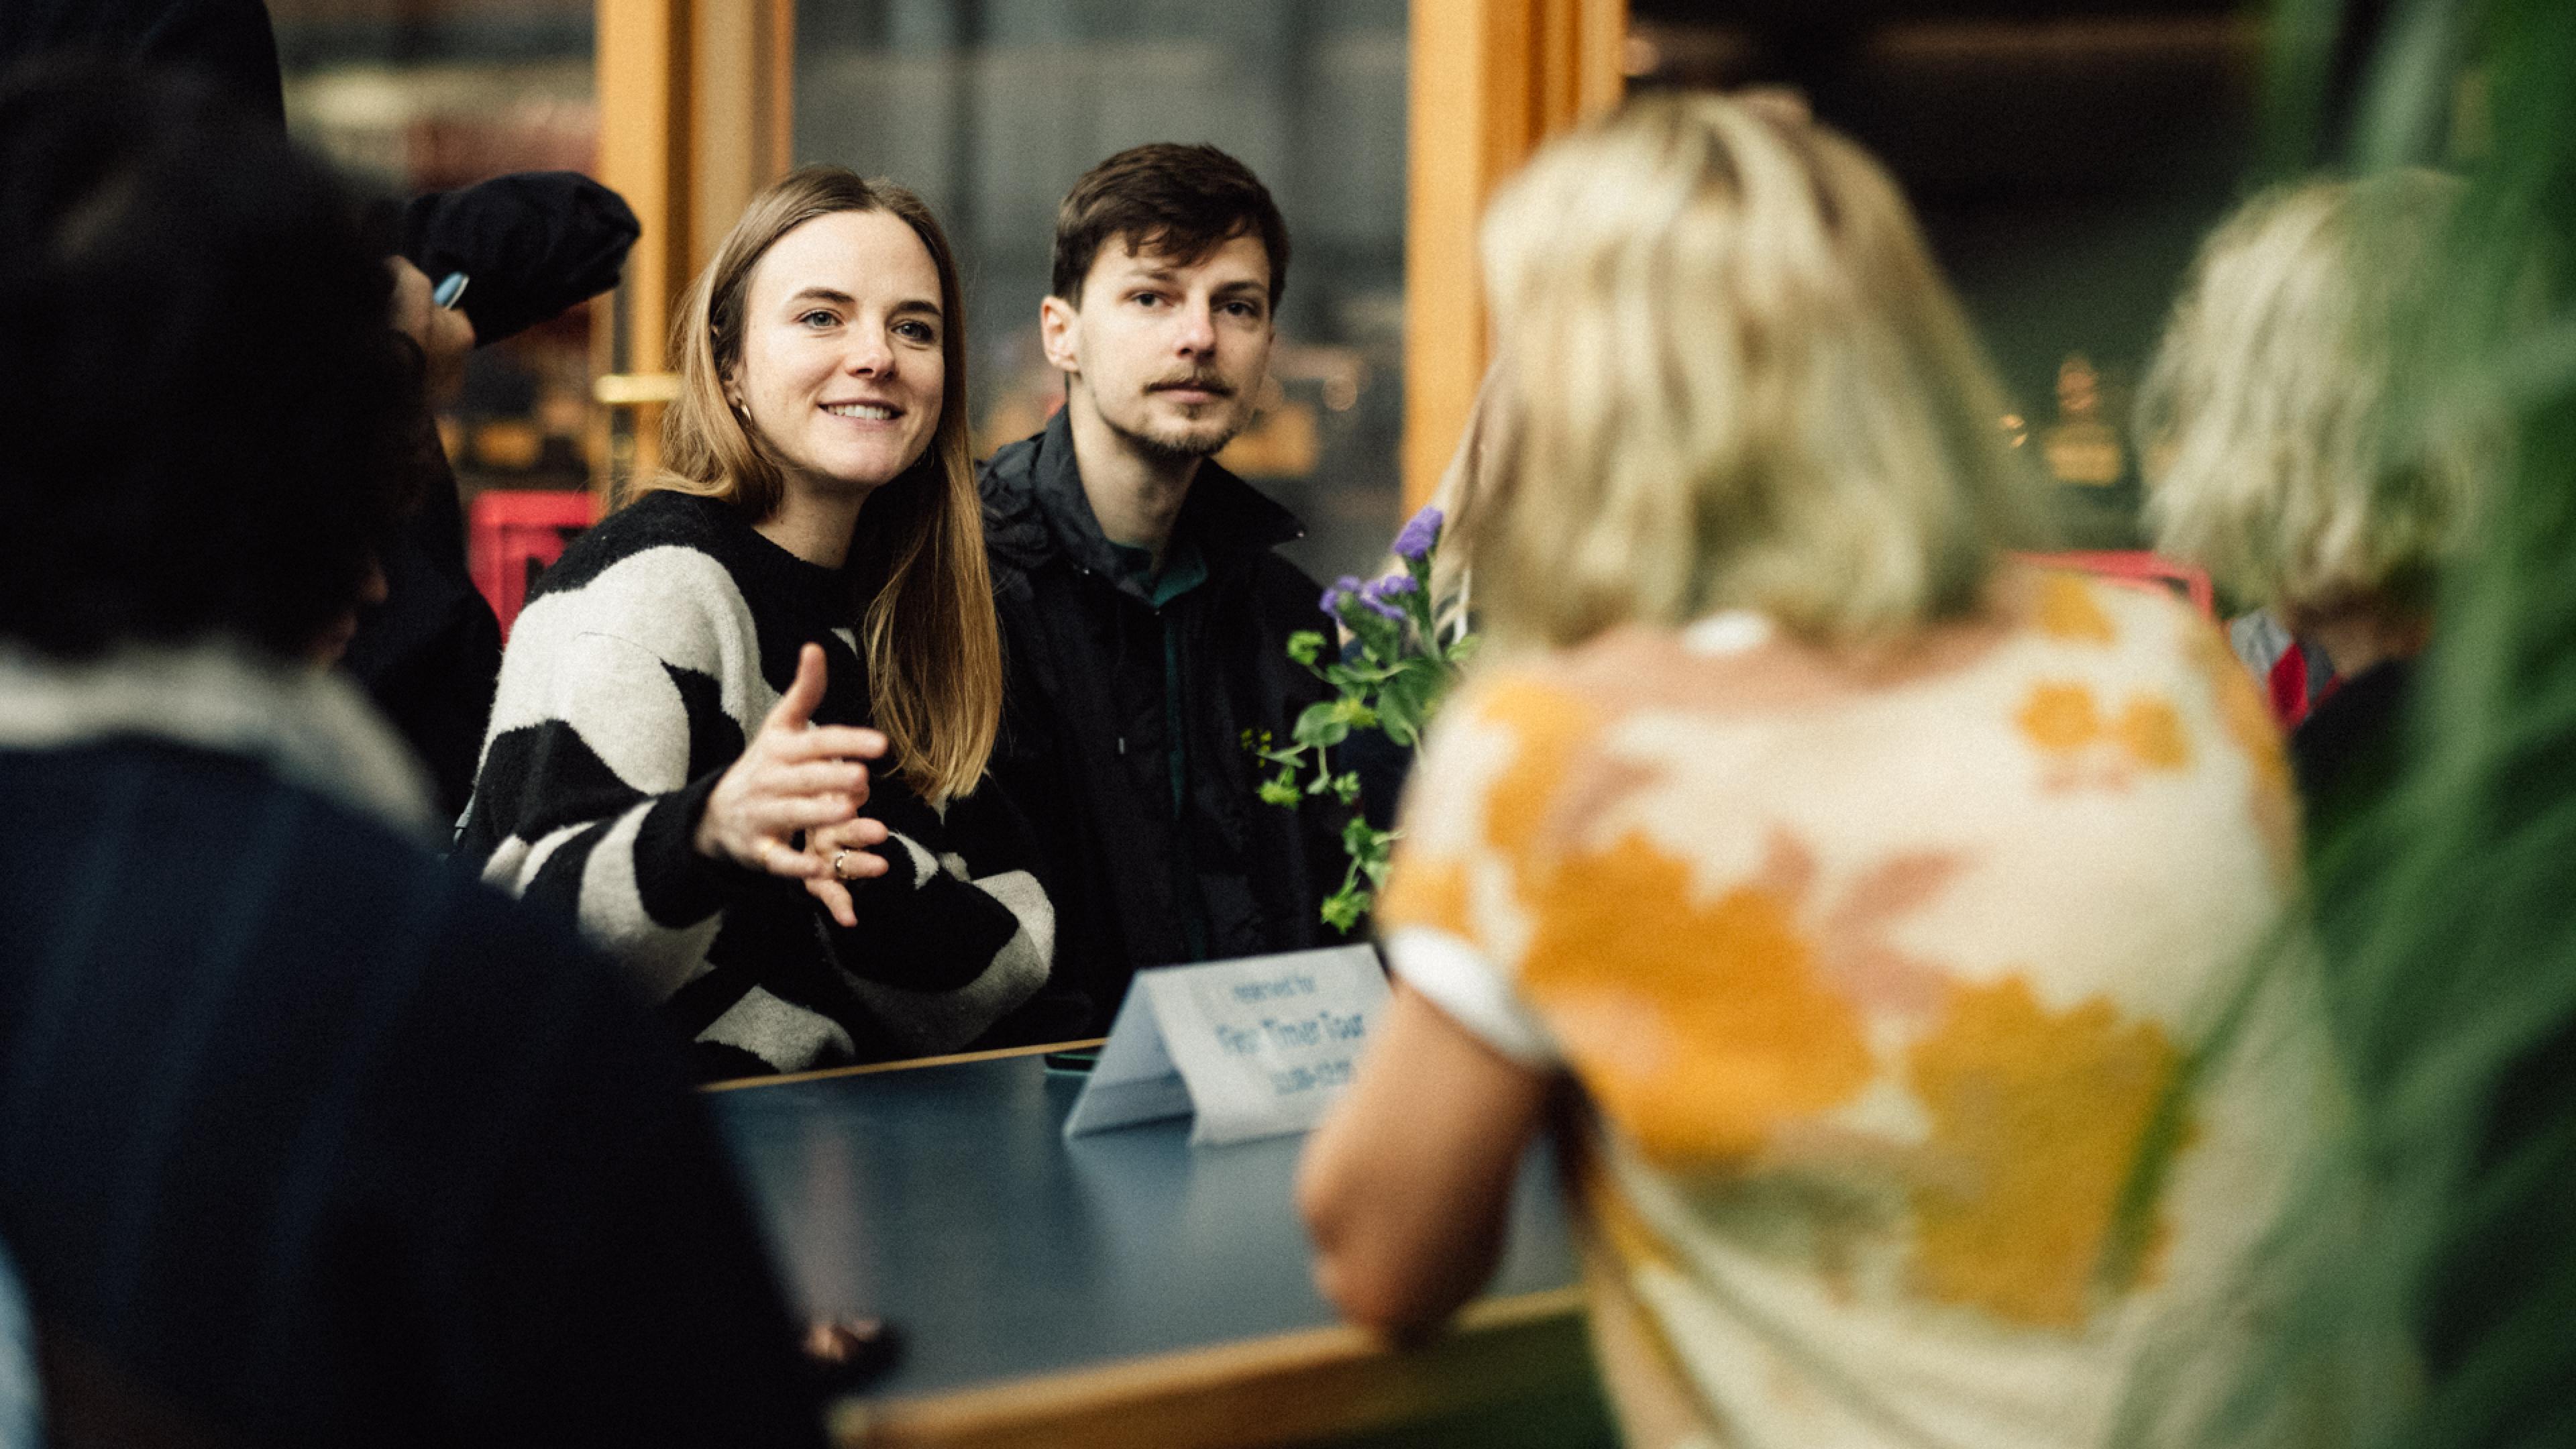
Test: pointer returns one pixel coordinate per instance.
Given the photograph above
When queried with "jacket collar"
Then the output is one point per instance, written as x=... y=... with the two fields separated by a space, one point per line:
x=1039 y=511
x=311 y=728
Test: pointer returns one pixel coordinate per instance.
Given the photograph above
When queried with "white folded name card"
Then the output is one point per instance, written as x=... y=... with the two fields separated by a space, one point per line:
x=1256 y=1047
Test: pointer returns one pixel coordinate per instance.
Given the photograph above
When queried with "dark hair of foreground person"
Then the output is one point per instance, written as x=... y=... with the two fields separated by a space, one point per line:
x=303 y=1139
x=163 y=311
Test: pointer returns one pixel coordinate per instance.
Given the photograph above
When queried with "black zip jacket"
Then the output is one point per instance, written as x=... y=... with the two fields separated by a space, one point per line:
x=1087 y=730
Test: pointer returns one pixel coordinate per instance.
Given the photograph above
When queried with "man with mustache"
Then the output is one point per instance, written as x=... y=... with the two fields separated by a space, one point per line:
x=1145 y=618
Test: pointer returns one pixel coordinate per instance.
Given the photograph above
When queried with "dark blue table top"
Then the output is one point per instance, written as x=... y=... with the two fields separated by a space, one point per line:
x=944 y=1200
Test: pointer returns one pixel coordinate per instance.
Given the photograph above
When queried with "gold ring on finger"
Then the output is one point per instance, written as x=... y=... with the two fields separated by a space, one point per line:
x=837 y=857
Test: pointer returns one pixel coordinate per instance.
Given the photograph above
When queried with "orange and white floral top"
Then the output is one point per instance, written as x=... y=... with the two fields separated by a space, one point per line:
x=1894 y=994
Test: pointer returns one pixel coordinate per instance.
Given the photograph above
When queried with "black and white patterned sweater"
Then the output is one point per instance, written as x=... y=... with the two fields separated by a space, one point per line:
x=646 y=657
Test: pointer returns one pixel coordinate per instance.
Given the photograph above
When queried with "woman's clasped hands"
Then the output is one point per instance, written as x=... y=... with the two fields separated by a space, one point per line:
x=800 y=781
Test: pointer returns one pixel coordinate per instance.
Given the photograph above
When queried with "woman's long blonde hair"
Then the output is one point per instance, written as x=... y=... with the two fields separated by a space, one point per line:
x=932 y=642
x=1738 y=381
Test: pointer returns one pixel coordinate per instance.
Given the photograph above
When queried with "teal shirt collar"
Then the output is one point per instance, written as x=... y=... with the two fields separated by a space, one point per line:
x=1184 y=569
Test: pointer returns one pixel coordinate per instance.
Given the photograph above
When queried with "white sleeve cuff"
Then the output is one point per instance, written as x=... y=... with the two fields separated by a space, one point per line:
x=1461 y=982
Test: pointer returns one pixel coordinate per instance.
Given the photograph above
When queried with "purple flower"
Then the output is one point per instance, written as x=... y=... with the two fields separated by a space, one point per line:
x=1372 y=596
x=1377 y=594
x=1421 y=531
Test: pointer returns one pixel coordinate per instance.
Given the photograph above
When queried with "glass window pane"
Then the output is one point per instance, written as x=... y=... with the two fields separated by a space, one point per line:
x=991 y=108
x=425 y=95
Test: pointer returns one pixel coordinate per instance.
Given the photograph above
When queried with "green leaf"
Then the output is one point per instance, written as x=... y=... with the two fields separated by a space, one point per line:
x=2406 y=106
x=1405 y=703
x=1278 y=792
x=1400 y=724
x=1358 y=678
x=1322 y=724
x=1380 y=638
x=1417 y=605
x=1305 y=646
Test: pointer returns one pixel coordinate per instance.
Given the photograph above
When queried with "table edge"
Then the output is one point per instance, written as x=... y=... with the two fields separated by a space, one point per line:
x=737 y=1084
x=1306 y=1384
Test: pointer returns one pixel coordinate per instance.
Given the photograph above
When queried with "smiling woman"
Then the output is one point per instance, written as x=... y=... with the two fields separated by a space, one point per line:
x=678 y=750
x=840 y=372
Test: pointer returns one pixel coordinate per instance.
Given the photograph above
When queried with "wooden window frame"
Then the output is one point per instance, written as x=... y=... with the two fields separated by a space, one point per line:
x=1490 y=80
x=697 y=112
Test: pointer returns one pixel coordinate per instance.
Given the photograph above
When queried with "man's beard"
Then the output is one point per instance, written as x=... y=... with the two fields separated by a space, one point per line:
x=1190 y=441
x=1204 y=441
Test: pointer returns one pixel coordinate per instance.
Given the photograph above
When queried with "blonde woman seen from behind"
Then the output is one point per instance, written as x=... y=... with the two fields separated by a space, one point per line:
x=2301 y=449
x=741 y=723
x=1871 y=901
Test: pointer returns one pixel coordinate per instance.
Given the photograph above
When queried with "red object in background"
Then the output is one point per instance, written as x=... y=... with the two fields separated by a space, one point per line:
x=2286 y=687
x=510 y=537
x=2293 y=688
x=2135 y=567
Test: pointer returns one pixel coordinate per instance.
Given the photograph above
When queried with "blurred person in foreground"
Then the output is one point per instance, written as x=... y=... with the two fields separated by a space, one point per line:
x=424 y=645
x=1878 y=915
x=1145 y=611
x=304 y=1139
x=680 y=751
x=227 y=44
x=2296 y=452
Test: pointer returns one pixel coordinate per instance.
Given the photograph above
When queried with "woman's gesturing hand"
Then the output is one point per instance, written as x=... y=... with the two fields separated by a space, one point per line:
x=848 y=854
x=794 y=776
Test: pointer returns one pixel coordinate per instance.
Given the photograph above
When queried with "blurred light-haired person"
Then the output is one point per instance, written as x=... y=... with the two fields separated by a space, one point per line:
x=304 y=1138
x=1866 y=903
x=2300 y=449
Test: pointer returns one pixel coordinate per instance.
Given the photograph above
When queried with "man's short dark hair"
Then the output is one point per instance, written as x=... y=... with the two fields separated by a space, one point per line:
x=1180 y=201
x=202 y=404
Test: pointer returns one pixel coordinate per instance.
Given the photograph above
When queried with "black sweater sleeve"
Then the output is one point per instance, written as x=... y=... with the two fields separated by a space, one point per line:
x=957 y=932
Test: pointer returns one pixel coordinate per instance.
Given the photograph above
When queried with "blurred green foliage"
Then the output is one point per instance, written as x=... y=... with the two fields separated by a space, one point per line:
x=2442 y=1234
